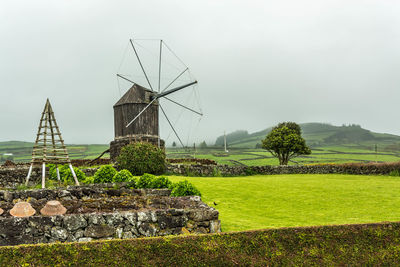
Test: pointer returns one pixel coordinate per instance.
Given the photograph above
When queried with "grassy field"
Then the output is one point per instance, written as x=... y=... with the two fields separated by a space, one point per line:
x=236 y=156
x=327 y=154
x=257 y=202
x=22 y=151
x=329 y=144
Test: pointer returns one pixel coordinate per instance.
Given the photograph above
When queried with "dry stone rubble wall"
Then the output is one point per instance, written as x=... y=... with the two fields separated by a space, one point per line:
x=91 y=226
x=115 y=213
x=225 y=170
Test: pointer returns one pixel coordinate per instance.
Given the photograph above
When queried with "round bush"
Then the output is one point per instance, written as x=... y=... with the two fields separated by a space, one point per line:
x=105 y=174
x=52 y=171
x=142 y=157
x=122 y=176
x=65 y=173
x=145 y=181
x=89 y=180
x=184 y=188
x=160 y=182
x=132 y=183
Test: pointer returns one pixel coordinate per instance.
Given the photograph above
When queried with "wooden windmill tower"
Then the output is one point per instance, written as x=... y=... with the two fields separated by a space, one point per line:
x=49 y=146
x=136 y=114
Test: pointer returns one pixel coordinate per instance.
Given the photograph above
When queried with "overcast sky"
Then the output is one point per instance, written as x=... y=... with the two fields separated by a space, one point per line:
x=257 y=62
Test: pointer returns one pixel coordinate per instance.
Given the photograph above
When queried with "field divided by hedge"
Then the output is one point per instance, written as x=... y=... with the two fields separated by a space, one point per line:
x=361 y=244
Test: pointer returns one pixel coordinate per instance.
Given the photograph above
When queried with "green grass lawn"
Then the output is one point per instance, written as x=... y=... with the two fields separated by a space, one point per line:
x=265 y=201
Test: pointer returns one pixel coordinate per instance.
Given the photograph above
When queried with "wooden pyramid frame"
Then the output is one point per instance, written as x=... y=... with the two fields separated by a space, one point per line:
x=49 y=146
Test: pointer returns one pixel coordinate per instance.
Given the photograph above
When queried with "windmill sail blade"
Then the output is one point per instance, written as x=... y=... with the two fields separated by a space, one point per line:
x=179 y=104
x=126 y=79
x=140 y=63
x=177 y=77
x=170 y=124
x=175 y=90
x=159 y=67
x=140 y=113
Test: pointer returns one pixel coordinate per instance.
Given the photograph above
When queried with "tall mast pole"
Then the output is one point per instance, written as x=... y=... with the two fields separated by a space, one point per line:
x=159 y=85
x=225 y=140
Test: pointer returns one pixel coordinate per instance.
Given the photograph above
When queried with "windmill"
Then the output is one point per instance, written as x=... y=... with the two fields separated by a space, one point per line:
x=136 y=114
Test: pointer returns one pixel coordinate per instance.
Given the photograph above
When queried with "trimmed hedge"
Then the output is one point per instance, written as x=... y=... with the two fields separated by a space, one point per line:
x=344 y=245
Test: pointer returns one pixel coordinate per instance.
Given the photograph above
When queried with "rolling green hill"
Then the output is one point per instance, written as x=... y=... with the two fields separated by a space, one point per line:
x=329 y=144
x=320 y=135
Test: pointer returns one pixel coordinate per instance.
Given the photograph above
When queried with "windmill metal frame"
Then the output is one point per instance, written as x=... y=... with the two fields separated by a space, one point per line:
x=160 y=94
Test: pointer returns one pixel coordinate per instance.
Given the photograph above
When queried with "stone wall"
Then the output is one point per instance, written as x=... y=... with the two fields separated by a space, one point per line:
x=104 y=212
x=86 y=227
x=225 y=170
x=14 y=176
x=80 y=192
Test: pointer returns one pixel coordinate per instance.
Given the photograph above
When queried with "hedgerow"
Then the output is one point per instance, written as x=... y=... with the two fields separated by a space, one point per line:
x=341 y=245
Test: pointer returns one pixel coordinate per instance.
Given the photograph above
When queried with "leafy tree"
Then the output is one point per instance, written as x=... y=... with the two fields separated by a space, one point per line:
x=285 y=142
x=174 y=144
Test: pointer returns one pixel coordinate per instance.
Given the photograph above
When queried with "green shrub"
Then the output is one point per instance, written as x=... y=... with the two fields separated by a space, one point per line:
x=132 y=183
x=394 y=173
x=105 y=174
x=142 y=157
x=216 y=172
x=189 y=172
x=249 y=171
x=65 y=173
x=122 y=176
x=145 y=181
x=89 y=180
x=52 y=171
x=160 y=182
x=184 y=188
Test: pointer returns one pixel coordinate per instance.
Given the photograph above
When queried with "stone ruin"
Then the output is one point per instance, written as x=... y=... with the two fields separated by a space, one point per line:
x=104 y=212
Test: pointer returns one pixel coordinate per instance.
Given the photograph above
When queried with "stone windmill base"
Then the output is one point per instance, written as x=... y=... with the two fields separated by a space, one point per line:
x=118 y=143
